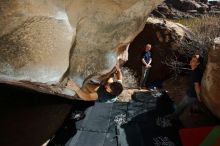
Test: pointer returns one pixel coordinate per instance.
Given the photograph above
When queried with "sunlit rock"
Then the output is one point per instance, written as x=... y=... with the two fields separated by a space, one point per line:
x=211 y=80
x=35 y=40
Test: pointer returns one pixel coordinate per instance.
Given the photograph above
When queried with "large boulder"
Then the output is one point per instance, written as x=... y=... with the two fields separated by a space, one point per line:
x=48 y=41
x=211 y=80
x=35 y=40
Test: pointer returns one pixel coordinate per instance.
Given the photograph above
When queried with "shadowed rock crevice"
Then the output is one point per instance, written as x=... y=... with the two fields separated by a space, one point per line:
x=167 y=39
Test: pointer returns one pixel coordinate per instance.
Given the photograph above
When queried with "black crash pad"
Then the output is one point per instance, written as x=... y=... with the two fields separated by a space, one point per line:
x=140 y=122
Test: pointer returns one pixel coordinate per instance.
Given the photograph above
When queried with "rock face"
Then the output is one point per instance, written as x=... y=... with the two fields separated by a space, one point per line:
x=35 y=40
x=211 y=80
x=46 y=41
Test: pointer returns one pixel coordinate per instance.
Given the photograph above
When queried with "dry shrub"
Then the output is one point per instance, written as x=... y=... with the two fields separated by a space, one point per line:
x=205 y=29
x=129 y=80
